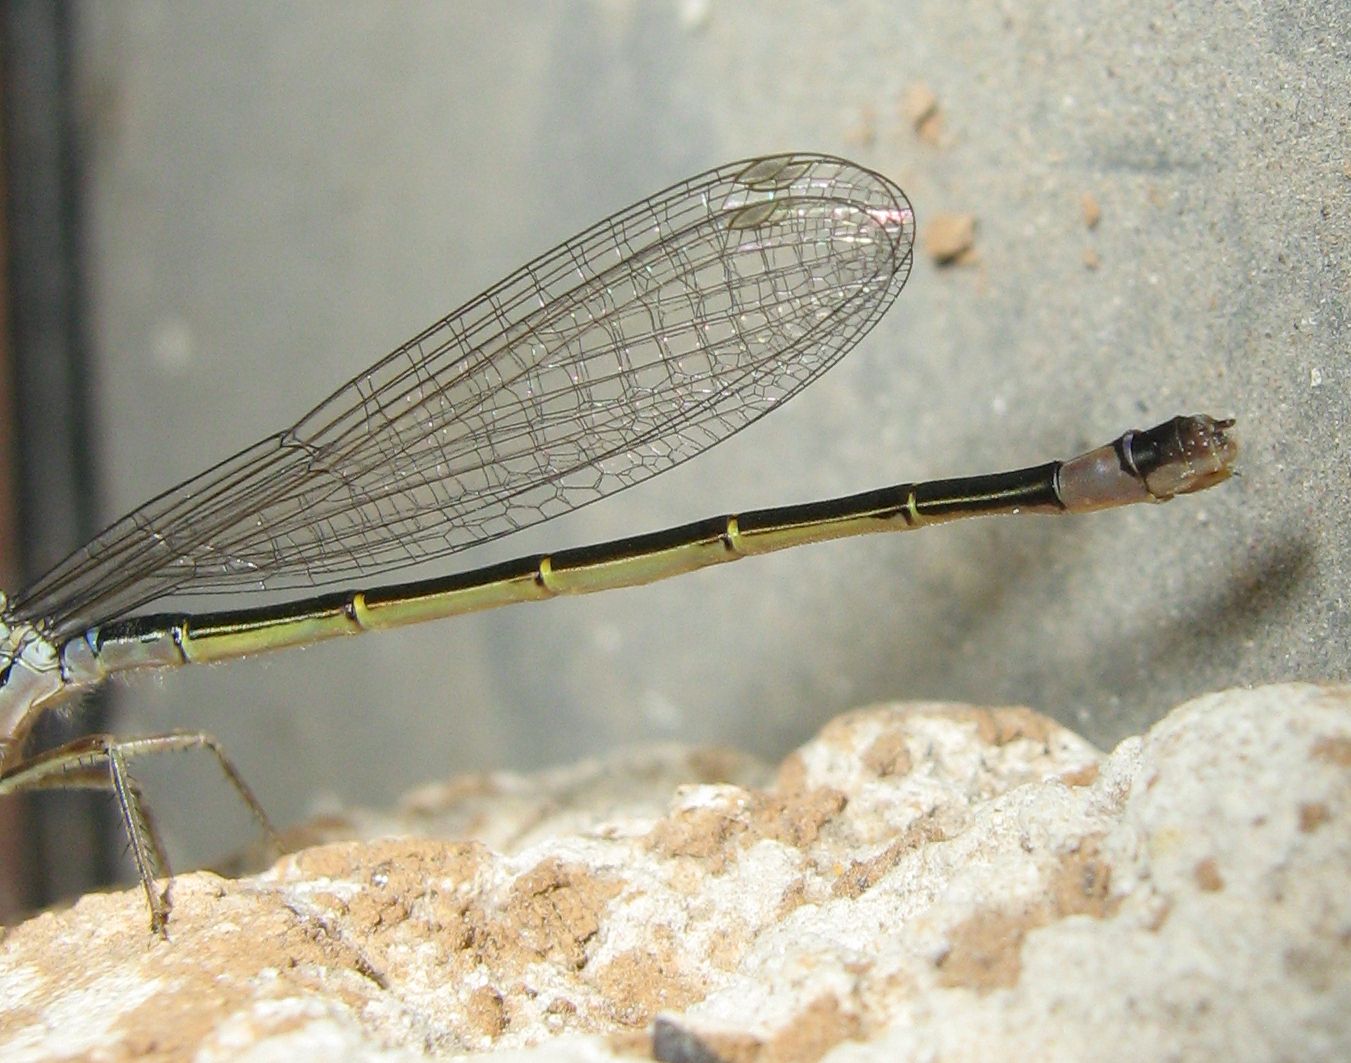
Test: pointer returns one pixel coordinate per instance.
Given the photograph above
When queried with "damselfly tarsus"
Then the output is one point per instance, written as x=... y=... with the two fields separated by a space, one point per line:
x=621 y=353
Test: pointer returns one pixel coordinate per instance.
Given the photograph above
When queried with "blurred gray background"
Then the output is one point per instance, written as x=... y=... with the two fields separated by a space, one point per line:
x=273 y=196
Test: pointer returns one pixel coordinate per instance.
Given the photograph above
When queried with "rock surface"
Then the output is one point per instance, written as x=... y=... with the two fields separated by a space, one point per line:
x=919 y=882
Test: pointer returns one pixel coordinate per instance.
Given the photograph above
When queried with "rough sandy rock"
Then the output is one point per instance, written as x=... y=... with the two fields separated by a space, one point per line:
x=918 y=882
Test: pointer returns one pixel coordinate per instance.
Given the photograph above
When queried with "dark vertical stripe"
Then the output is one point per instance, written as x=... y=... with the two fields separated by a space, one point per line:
x=66 y=834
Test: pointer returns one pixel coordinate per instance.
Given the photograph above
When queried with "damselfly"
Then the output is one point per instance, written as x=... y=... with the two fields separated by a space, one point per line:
x=621 y=353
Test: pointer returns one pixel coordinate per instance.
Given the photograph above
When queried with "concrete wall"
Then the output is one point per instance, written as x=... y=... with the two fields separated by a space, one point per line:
x=280 y=195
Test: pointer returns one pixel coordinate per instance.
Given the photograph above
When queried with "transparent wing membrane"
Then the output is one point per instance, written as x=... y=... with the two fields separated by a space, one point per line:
x=621 y=353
